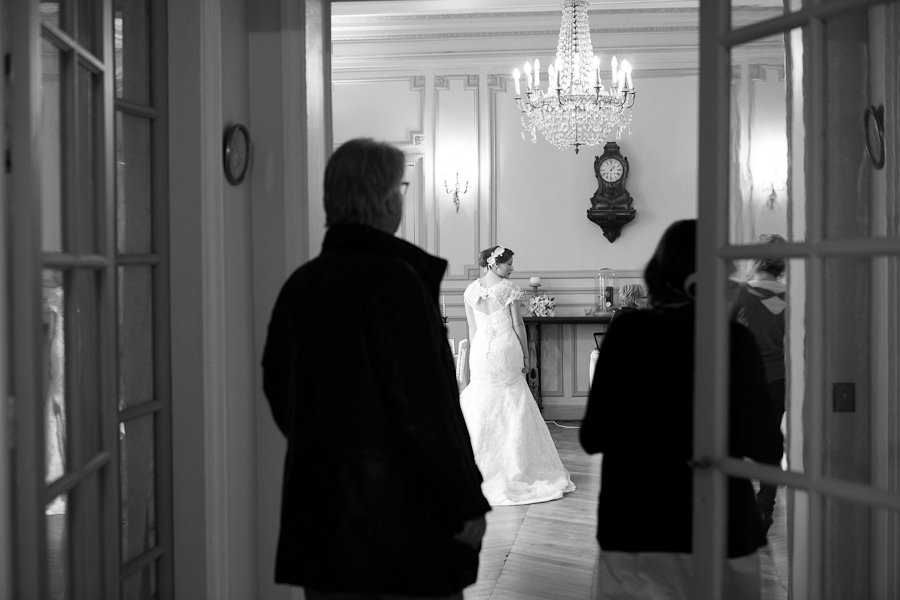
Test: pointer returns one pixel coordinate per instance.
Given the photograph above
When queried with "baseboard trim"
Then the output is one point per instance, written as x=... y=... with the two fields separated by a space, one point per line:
x=564 y=412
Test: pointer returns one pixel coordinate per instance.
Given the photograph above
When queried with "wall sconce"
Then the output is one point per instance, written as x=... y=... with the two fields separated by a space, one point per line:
x=773 y=189
x=455 y=191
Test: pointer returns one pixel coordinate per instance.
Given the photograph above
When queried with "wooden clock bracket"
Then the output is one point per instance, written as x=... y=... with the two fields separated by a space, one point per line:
x=611 y=220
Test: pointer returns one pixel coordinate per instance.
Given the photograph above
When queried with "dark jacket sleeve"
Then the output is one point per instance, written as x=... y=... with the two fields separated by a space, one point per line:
x=278 y=356
x=600 y=421
x=754 y=432
x=416 y=379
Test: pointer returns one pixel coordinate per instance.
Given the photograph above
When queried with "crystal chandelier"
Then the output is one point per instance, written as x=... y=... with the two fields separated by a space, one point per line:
x=577 y=109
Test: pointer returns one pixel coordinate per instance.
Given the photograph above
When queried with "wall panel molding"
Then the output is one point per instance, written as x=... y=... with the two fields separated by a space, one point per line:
x=442 y=84
x=548 y=340
x=496 y=85
x=413 y=137
x=577 y=361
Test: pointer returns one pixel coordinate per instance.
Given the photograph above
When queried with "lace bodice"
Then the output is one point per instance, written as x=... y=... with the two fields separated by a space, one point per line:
x=504 y=292
x=496 y=353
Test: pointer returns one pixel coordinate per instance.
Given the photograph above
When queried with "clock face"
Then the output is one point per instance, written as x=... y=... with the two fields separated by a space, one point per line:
x=611 y=170
x=237 y=154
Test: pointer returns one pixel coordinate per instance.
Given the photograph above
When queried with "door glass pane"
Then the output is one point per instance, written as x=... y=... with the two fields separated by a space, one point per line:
x=52 y=166
x=767 y=295
x=142 y=585
x=747 y=12
x=54 y=358
x=58 y=560
x=794 y=415
x=137 y=472
x=84 y=310
x=87 y=522
x=133 y=184
x=88 y=161
x=136 y=364
x=51 y=13
x=792 y=538
x=132 y=30
x=759 y=194
x=774 y=558
x=860 y=74
x=757 y=547
x=89 y=25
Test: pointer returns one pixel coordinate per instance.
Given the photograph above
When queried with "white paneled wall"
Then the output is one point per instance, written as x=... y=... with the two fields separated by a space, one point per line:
x=532 y=198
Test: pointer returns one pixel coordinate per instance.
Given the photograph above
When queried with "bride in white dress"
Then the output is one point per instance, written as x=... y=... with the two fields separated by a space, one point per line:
x=513 y=447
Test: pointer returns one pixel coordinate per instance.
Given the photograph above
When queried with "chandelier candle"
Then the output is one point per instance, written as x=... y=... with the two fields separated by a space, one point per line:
x=577 y=109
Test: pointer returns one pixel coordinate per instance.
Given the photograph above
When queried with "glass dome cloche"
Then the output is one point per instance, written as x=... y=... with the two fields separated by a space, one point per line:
x=607 y=286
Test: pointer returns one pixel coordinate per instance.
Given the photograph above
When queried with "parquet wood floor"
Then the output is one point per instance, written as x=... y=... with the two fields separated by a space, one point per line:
x=548 y=551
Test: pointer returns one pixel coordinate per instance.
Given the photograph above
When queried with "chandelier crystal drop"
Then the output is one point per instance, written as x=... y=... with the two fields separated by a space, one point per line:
x=577 y=109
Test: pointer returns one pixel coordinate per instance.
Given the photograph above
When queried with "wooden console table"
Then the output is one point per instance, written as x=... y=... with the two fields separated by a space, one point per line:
x=534 y=324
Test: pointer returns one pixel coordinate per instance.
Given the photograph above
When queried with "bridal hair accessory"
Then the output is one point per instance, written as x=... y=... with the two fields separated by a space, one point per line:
x=497 y=253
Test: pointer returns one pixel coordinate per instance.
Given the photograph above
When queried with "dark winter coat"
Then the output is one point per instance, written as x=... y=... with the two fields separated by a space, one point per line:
x=379 y=471
x=641 y=418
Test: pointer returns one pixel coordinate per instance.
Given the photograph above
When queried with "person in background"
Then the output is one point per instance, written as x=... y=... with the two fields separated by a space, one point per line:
x=760 y=305
x=645 y=512
x=632 y=297
x=382 y=496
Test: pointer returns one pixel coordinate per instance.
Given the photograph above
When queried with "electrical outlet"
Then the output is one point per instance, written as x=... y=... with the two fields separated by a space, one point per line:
x=843 y=397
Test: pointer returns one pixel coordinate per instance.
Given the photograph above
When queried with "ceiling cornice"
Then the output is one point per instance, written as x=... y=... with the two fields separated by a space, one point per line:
x=736 y=10
x=501 y=34
x=478 y=39
x=508 y=14
x=504 y=54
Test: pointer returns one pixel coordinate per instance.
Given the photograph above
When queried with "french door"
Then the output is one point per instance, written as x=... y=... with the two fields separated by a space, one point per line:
x=92 y=489
x=800 y=136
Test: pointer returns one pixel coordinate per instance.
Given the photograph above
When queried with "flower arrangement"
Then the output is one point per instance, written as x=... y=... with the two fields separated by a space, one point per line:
x=541 y=306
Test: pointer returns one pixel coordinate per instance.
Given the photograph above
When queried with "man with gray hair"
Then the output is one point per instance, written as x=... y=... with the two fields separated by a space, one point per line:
x=382 y=497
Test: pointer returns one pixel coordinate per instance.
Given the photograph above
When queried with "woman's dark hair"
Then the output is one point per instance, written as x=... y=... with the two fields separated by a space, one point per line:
x=360 y=178
x=485 y=254
x=672 y=264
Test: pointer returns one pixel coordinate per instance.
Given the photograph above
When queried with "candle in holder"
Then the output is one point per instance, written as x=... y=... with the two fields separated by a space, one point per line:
x=629 y=84
x=443 y=305
x=534 y=281
x=615 y=76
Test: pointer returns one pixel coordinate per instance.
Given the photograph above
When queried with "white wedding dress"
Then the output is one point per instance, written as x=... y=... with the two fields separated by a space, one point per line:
x=513 y=448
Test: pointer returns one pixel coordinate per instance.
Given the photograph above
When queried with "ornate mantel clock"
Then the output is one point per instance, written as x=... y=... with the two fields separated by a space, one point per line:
x=611 y=203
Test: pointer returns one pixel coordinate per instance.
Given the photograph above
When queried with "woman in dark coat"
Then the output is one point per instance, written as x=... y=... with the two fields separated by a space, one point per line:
x=642 y=421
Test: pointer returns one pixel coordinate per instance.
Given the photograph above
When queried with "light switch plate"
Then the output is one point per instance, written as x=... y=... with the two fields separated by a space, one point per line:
x=844 y=397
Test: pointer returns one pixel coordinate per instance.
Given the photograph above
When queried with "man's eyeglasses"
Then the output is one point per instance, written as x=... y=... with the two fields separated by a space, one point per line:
x=403 y=187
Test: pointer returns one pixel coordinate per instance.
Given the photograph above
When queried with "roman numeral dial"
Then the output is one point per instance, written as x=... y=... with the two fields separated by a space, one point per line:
x=611 y=170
